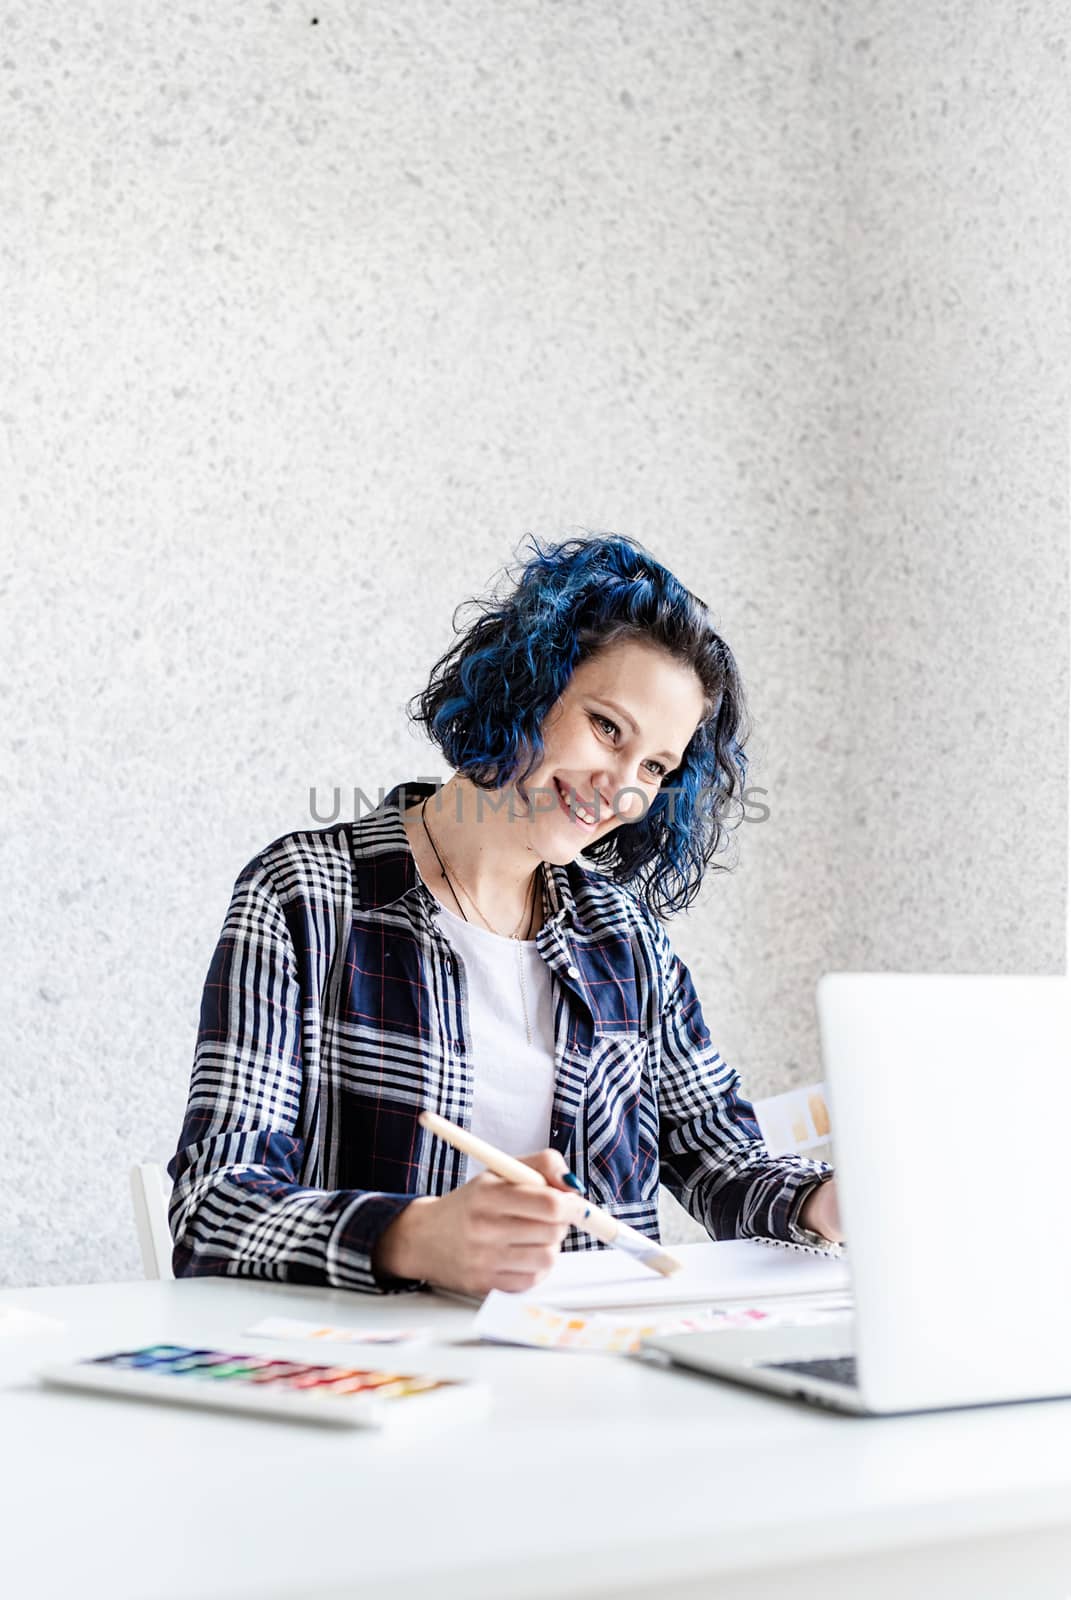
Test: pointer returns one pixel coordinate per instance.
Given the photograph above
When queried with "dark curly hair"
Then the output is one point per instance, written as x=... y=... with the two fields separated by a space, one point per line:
x=489 y=694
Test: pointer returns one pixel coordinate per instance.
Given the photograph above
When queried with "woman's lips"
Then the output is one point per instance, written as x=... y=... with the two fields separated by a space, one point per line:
x=571 y=811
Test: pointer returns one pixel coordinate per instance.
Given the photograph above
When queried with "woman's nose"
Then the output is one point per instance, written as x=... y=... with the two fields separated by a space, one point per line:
x=617 y=798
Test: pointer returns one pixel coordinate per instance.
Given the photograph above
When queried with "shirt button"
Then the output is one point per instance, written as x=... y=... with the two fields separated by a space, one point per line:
x=449 y=965
x=458 y=1047
x=574 y=972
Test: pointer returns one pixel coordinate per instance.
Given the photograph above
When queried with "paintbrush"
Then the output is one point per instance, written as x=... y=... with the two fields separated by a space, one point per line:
x=598 y=1223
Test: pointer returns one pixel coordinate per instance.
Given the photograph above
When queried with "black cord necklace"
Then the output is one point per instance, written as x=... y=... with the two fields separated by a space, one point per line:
x=515 y=936
x=526 y=914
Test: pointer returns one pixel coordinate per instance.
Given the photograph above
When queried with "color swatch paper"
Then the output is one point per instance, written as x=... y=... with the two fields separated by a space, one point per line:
x=324 y=1333
x=513 y=1319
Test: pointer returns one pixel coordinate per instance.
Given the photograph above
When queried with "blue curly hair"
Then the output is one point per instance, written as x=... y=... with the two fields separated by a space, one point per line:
x=489 y=694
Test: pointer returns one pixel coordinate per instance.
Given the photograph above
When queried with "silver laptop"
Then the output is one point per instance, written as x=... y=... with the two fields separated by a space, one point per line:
x=951 y=1109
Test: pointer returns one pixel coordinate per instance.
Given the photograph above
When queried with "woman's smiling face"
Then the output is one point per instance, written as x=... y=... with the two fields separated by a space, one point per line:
x=621 y=726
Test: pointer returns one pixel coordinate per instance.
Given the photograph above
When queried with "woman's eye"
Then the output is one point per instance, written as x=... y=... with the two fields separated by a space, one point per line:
x=605 y=722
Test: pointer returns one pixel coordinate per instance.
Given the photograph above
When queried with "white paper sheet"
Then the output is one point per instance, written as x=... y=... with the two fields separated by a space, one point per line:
x=17 y=1323
x=713 y=1273
x=515 y=1319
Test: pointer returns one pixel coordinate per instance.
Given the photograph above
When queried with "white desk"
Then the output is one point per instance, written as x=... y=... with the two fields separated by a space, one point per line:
x=593 y=1476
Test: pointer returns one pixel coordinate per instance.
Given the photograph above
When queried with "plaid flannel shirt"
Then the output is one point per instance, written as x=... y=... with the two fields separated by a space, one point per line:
x=333 y=1013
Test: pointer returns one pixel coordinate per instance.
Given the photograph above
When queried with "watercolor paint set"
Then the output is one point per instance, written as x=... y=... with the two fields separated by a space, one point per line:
x=356 y=1397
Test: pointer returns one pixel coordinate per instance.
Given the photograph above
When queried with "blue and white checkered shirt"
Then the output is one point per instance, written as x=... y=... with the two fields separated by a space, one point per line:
x=332 y=1015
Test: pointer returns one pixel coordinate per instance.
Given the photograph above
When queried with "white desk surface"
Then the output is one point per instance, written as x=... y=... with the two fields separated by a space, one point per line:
x=594 y=1475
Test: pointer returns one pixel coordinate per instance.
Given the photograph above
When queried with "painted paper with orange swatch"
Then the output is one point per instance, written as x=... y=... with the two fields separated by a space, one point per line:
x=796 y=1122
x=515 y=1319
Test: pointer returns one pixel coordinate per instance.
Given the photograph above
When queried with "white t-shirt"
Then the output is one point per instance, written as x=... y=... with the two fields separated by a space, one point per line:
x=513 y=1081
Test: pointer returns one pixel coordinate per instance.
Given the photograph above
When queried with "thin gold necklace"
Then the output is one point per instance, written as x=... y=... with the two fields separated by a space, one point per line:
x=526 y=914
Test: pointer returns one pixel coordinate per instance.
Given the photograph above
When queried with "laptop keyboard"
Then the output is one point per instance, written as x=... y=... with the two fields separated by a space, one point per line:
x=836 y=1369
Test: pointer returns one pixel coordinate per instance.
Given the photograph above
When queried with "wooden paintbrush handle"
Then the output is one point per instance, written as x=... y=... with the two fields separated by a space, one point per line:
x=590 y=1219
x=600 y=1224
x=496 y=1161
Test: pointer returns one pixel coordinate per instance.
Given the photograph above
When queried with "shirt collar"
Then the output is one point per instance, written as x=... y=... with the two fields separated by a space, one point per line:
x=385 y=869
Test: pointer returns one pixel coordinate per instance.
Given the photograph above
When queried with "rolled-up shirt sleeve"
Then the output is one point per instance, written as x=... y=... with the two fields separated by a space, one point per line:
x=713 y=1156
x=244 y=1202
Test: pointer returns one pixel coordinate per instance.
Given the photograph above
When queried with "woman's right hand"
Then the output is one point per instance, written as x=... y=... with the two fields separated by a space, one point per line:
x=486 y=1234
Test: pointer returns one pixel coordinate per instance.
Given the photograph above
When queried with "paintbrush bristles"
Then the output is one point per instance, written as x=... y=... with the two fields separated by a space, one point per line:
x=638 y=1245
x=666 y=1265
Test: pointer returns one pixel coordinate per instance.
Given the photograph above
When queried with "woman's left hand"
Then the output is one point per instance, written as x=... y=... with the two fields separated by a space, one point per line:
x=820 y=1212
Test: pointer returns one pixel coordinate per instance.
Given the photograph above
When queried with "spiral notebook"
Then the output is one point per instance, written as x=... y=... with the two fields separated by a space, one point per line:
x=712 y=1273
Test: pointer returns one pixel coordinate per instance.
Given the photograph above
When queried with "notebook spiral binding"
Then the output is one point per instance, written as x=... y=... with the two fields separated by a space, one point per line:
x=836 y=1252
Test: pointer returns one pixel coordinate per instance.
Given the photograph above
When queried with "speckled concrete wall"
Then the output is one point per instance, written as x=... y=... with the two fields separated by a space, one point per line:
x=956 y=449
x=307 y=322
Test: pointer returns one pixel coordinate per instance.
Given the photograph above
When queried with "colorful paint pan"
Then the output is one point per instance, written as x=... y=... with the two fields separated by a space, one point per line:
x=295 y=1390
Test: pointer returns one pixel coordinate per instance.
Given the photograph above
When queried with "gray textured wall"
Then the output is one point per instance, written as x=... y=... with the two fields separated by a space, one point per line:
x=305 y=326
x=955 y=181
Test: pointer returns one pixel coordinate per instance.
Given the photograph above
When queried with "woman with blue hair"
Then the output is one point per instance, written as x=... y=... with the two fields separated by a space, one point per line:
x=492 y=949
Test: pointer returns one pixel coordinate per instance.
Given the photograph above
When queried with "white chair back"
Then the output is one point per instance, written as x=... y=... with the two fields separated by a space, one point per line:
x=150 y=1189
